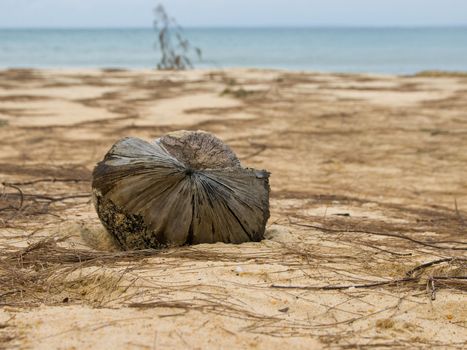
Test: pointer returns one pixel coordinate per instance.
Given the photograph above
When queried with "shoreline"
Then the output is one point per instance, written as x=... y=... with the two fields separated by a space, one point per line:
x=421 y=73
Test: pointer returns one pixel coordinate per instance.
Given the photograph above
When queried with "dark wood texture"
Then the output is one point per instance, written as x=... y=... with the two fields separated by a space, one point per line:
x=184 y=188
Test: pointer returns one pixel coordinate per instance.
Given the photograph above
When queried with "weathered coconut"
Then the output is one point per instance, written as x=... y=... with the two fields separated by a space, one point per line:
x=183 y=188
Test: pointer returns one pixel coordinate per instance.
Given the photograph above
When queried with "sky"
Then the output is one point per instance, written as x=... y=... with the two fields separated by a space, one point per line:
x=239 y=13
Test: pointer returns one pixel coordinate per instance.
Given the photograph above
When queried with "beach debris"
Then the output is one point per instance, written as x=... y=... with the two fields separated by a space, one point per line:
x=238 y=270
x=186 y=187
x=176 y=50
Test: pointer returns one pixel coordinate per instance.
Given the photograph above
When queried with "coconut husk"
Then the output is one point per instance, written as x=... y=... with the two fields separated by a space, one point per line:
x=183 y=188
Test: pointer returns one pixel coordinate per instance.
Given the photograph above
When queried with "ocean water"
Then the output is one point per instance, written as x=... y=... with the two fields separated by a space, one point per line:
x=382 y=50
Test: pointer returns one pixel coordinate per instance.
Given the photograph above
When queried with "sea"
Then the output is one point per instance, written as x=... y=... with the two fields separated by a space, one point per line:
x=340 y=49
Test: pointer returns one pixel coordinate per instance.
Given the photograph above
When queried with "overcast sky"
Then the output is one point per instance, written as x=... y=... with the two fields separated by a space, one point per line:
x=138 y=13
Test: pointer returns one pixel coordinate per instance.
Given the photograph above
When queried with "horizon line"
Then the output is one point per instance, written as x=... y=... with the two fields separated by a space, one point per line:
x=324 y=26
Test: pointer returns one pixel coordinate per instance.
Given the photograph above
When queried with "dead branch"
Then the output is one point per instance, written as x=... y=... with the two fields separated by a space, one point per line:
x=357 y=286
x=411 y=272
x=376 y=233
x=50 y=198
x=53 y=180
x=21 y=197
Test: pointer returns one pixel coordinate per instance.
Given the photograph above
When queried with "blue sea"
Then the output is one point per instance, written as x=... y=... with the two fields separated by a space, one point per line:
x=381 y=50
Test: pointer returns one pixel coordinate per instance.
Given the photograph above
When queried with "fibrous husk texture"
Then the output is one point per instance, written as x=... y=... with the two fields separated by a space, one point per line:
x=183 y=188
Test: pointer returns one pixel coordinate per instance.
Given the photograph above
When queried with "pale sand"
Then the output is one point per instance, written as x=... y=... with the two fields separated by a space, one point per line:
x=372 y=153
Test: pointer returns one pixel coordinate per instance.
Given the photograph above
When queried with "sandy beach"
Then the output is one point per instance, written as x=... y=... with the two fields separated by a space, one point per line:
x=366 y=243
